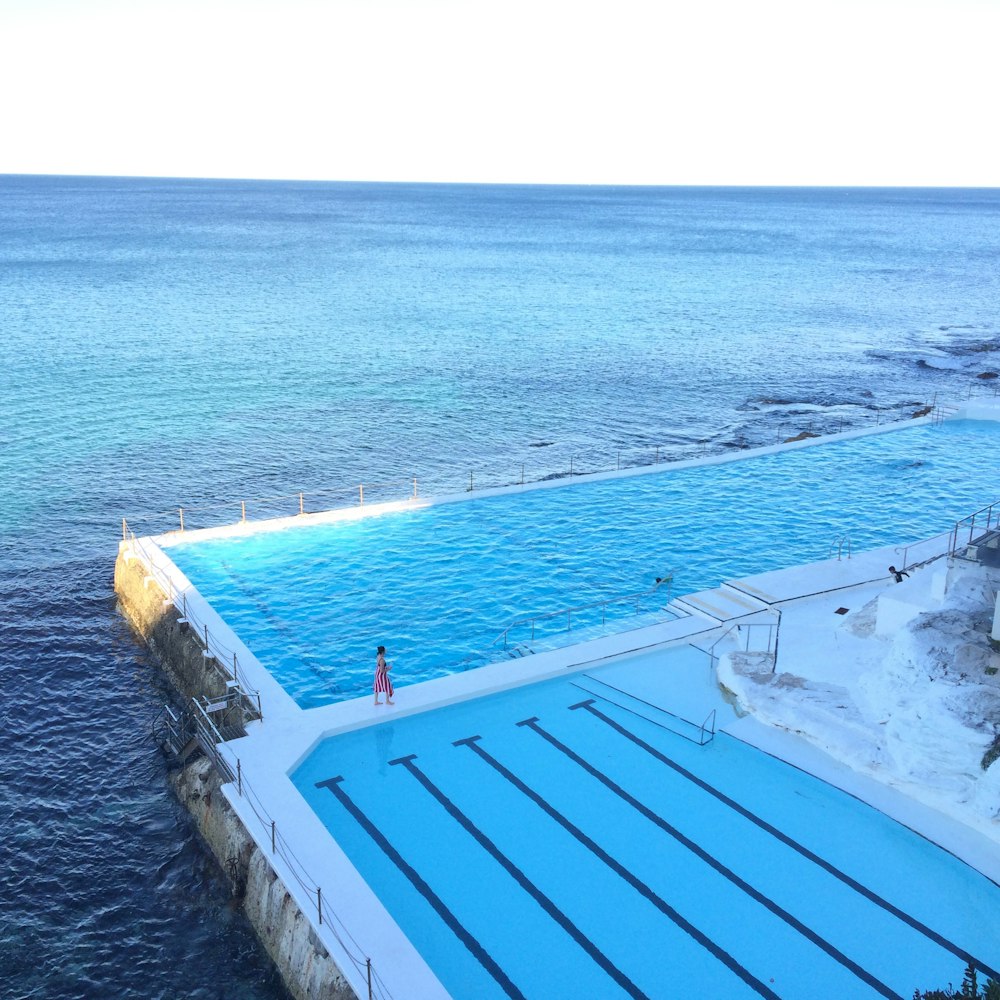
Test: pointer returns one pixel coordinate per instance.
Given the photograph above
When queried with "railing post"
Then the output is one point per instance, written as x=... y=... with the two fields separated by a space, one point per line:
x=470 y=482
x=361 y=493
x=368 y=963
x=777 y=636
x=272 y=836
x=239 y=777
x=302 y=507
x=657 y=461
x=234 y=668
x=414 y=487
x=180 y=511
x=319 y=902
x=619 y=461
x=206 y=638
x=243 y=510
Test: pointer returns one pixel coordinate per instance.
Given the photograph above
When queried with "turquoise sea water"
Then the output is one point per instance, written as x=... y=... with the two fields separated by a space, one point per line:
x=177 y=343
x=439 y=586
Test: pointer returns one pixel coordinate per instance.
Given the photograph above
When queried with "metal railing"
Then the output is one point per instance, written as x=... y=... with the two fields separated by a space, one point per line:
x=982 y=521
x=224 y=512
x=706 y=730
x=984 y=387
x=222 y=658
x=838 y=543
x=197 y=722
x=579 y=609
x=940 y=413
x=325 y=914
x=925 y=551
x=569 y=463
x=773 y=634
x=210 y=738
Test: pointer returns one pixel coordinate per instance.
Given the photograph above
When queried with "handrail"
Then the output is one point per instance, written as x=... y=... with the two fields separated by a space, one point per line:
x=971 y=521
x=774 y=628
x=941 y=412
x=210 y=739
x=312 y=889
x=569 y=612
x=906 y=549
x=215 y=651
x=840 y=541
x=656 y=708
x=576 y=463
x=296 y=502
x=711 y=729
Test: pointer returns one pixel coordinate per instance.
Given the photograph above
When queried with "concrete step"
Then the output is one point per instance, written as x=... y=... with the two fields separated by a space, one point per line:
x=720 y=605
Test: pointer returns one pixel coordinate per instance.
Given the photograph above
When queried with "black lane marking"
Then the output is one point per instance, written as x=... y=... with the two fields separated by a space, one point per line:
x=664 y=907
x=529 y=887
x=801 y=849
x=477 y=950
x=727 y=873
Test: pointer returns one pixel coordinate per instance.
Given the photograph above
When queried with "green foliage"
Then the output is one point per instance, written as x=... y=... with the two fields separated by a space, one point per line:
x=970 y=990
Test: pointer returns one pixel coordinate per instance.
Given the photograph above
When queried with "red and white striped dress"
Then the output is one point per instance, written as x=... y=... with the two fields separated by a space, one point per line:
x=383 y=683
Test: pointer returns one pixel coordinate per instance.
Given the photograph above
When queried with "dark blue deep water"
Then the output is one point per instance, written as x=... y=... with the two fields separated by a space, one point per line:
x=180 y=343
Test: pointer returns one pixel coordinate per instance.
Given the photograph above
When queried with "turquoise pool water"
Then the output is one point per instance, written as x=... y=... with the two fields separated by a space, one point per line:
x=437 y=586
x=546 y=842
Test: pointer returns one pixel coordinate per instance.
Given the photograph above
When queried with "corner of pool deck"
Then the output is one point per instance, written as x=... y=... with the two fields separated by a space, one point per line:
x=273 y=812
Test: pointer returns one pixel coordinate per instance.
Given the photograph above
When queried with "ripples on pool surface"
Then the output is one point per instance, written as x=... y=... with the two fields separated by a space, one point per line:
x=439 y=585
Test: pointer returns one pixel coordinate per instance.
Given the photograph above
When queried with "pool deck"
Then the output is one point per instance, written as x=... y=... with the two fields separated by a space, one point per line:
x=811 y=601
x=808 y=598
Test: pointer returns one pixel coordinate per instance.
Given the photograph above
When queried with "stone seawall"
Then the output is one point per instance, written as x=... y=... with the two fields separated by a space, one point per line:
x=158 y=622
x=307 y=968
x=305 y=965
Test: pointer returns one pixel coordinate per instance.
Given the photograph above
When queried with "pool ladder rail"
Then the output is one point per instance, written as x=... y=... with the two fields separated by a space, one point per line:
x=840 y=543
x=702 y=734
x=200 y=728
x=520 y=648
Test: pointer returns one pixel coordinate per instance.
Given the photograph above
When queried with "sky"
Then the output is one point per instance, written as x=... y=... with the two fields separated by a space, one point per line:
x=824 y=92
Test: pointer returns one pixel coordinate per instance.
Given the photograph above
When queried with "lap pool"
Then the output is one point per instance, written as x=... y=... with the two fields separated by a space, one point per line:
x=438 y=585
x=554 y=842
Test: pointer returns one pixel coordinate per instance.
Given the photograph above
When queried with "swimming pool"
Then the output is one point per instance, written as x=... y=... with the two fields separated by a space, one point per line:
x=438 y=585
x=567 y=840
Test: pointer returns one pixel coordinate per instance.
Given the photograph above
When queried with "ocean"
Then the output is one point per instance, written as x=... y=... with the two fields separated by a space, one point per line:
x=173 y=343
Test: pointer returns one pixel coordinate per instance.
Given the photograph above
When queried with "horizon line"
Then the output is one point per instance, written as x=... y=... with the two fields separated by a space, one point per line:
x=494 y=183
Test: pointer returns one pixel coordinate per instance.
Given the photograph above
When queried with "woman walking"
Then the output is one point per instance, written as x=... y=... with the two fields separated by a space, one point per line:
x=383 y=683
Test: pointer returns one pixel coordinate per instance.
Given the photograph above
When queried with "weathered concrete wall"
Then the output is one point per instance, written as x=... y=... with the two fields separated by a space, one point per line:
x=304 y=963
x=158 y=623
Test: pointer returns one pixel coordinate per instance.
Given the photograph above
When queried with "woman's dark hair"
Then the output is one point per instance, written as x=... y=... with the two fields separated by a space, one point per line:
x=381 y=649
